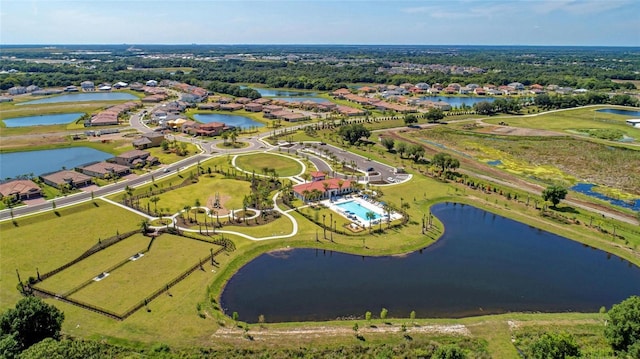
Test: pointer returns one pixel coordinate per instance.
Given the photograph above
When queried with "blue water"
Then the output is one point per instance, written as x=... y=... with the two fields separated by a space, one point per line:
x=301 y=99
x=282 y=93
x=457 y=101
x=39 y=162
x=620 y=112
x=81 y=97
x=494 y=163
x=231 y=120
x=483 y=264
x=586 y=188
x=42 y=120
x=357 y=209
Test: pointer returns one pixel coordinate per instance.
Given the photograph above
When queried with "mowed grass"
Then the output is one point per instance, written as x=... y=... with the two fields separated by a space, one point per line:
x=97 y=263
x=231 y=193
x=46 y=241
x=573 y=119
x=168 y=257
x=283 y=165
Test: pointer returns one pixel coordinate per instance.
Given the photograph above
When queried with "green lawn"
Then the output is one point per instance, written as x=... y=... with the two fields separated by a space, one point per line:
x=231 y=194
x=46 y=241
x=283 y=165
x=168 y=257
x=95 y=264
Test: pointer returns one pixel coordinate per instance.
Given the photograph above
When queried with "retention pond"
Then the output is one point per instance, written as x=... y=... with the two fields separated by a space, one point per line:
x=483 y=264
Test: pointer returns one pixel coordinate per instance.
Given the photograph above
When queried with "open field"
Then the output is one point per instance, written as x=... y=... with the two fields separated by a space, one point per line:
x=282 y=165
x=46 y=241
x=549 y=159
x=95 y=264
x=168 y=257
x=573 y=120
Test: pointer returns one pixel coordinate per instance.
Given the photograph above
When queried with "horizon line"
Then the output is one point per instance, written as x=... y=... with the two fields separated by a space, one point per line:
x=300 y=44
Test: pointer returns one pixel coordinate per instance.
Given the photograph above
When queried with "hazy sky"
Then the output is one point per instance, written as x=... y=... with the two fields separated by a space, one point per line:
x=455 y=22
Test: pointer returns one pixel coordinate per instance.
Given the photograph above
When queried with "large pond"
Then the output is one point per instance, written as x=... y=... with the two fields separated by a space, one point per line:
x=82 y=97
x=39 y=162
x=619 y=112
x=587 y=188
x=483 y=264
x=457 y=101
x=42 y=120
x=231 y=120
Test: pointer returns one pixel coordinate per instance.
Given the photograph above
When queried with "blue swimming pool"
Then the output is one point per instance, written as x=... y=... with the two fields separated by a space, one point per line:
x=359 y=211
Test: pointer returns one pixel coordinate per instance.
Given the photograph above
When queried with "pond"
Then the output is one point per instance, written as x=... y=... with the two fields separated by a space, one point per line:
x=620 y=112
x=15 y=164
x=42 y=120
x=483 y=264
x=281 y=93
x=82 y=97
x=587 y=188
x=457 y=101
x=302 y=99
x=231 y=120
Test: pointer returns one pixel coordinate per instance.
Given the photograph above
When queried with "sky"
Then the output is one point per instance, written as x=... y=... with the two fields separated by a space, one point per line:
x=417 y=22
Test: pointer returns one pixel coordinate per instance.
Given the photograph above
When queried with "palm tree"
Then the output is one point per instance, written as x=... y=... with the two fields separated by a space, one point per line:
x=405 y=206
x=388 y=208
x=370 y=215
x=186 y=209
x=197 y=207
x=155 y=200
x=305 y=194
x=144 y=225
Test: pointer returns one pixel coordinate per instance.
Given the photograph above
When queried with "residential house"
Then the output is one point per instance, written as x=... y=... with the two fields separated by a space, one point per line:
x=135 y=158
x=20 y=189
x=105 y=170
x=253 y=107
x=87 y=86
x=340 y=93
x=71 y=88
x=17 y=90
x=517 y=86
x=66 y=177
x=209 y=129
x=148 y=140
x=231 y=106
x=318 y=176
x=152 y=83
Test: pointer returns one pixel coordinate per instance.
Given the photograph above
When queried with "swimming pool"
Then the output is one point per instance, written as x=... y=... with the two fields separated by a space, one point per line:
x=354 y=207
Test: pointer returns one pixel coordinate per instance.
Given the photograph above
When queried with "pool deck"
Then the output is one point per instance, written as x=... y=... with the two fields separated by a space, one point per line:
x=369 y=204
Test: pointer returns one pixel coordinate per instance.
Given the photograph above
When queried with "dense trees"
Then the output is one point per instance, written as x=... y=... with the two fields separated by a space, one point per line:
x=554 y=346
x=445 y=161
x=554 y=194
x=29 y=322
x=623 y=329
x=354 y=132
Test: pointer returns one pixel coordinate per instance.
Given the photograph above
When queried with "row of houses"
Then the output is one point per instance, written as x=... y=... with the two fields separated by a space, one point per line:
x=110 y=115
x=81 y=176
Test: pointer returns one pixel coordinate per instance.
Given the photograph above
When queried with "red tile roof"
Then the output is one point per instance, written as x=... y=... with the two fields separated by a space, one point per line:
x=318 y=185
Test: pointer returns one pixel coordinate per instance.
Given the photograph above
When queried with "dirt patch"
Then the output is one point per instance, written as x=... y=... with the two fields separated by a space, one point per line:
x=516 y=131
x=222 y=210
x=261 y=334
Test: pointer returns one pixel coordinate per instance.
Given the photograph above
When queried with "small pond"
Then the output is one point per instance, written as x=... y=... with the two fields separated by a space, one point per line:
x=15 y=164
x=231 y=120
x=42 y=120
x=82 y=97
x=483 y=264
x=616 y=111
x=457 y=101
x=587 y=188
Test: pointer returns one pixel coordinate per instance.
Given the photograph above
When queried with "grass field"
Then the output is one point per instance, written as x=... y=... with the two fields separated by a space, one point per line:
x=573 y=119
x=284 y=166
x=46 y=241
x=550 y=159
x=168 y=257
